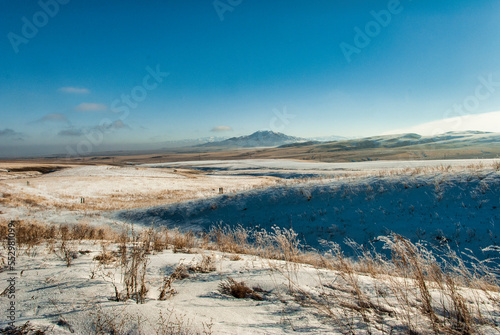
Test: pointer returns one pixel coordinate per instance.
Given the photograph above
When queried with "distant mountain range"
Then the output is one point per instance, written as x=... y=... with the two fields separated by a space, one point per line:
x=262 y=138
x=448 y=140
x=453 y=144
x=450 y=145
x=266 y=138
x=191 y=142
x=329 y=138
x=268 y=144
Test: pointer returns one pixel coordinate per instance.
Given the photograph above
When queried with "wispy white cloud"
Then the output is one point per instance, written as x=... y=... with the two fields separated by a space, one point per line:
x=115 y=125
x=221 y=129
x=90 y=107
x=106 y=128
x=489 y=122
x=71 y=132
x=53 y=117
x=73 y=90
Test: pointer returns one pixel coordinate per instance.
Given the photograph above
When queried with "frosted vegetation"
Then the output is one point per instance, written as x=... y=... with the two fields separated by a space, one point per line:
x=445 y=208
x=410 y=250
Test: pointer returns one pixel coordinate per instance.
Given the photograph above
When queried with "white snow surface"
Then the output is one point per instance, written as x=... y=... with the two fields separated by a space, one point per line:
x=65 y=300
x=111 y=187
x=458 y=209
x=284 y=167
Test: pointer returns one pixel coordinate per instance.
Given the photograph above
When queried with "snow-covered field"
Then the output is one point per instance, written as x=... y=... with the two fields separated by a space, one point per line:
x=285 y=168
x=444 y=203
x=111 y=187
x=445 y=208
x=295 y=298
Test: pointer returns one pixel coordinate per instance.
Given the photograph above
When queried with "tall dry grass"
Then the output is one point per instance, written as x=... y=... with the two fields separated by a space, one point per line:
x=427 y=292
x=31 y=234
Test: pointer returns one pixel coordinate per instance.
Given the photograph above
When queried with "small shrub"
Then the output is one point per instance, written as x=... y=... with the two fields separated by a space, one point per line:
x=105 y=322
x=183 y=242
x=496 y=165
x=133 y=263
x=206 y=265
x=82 y=231
x=26 y=328
x=67 y=253
x=160 y=240
x=134 y=273
x=29 y=234
x=238 y=289
x=105 y=257
x=167 y=290
x=235 y=257
x=230 y=239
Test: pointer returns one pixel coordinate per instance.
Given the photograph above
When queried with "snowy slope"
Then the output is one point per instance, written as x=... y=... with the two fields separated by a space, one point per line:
x=78 y=299
x=459 y=209
x=445 y=140
x=481 y=122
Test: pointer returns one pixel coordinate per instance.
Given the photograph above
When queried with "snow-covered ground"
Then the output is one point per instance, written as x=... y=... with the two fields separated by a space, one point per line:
x=111 y=187
x=295 y=298
x=285 y=168
x=454 y=203
x=456 y=209
x=457 y=206
x=285 y=164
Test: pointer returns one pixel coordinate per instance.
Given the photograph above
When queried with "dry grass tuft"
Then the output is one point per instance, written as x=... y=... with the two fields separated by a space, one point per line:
x=183 y=242
x=235 y=257
x=166 y=291
x=206 y=265
x=230 y=239
x=134 y=268
x=25 y=328
x=426 y=294
x=451 y=312
x=238 y=289
x=106 y=256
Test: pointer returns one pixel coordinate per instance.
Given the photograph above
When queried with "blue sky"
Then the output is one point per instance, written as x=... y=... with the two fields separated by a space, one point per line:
x=235 y=67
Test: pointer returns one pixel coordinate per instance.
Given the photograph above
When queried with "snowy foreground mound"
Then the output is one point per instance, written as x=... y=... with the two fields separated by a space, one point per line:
x=460 y=210
x=289 y=297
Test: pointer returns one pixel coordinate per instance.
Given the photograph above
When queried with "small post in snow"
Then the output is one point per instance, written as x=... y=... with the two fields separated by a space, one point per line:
x=221 y=190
